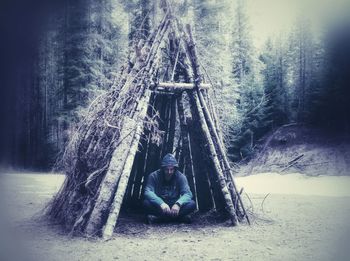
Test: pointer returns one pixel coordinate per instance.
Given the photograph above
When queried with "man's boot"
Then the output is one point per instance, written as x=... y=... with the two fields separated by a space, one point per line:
x=186 y=219
x=151 y=219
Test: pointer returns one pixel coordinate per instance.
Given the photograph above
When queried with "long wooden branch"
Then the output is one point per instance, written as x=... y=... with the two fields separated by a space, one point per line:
x=214 y=157
x=181 y=86
x=186 y=149
x=110 y=181
x=191 y=53
x=114 y=211
x=109 y=184
x=222 y=153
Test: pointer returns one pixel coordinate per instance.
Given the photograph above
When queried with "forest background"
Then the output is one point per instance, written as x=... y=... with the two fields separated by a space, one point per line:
x=270 y=63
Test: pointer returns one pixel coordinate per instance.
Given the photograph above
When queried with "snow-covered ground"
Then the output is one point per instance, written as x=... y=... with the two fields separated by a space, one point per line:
x=296 y=217
x=296 y=184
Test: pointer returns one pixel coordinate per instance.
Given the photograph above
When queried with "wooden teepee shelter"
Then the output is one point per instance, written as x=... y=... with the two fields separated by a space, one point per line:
x=126 y=132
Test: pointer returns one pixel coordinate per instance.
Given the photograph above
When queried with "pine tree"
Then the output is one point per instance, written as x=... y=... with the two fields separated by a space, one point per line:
x=241 y=50
x=212 y=28
x=141 y=14
x=275 y=83
x=250 y=117
x=81 y=48
x=301 y=46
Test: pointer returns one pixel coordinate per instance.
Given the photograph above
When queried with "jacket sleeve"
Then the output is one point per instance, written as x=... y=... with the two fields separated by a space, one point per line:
x=150 y=191
x=185 y=192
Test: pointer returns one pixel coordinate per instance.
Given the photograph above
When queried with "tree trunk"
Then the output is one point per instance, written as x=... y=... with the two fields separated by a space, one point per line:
x=172 y=122
x=111 y=179
x=114 y=210
x=185 y=150
x=214 y=158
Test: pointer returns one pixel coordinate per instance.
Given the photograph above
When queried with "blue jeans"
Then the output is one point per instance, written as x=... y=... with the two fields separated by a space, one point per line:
x=154 y=209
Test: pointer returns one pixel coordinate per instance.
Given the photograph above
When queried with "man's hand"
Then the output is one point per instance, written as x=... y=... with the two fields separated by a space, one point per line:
x=174 y=212
x=165 y=208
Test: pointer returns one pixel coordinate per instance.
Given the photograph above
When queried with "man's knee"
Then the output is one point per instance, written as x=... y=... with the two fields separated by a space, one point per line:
x=188 y=208
x=146 y=204
x=150 y=208
x=191 y=205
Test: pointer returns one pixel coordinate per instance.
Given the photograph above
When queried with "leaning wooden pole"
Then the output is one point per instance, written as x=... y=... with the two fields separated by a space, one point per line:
x=111 y=179
x=114 y=211
x=215 y=160
x=144 y=147
x=172 y=123
x=186 y=148
x=191 y=53
x=221 y=151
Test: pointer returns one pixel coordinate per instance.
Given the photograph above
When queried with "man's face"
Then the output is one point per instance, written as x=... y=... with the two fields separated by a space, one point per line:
x=169 y=172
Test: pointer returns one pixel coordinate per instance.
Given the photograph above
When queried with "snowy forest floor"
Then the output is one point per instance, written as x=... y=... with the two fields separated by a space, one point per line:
x=302 y=218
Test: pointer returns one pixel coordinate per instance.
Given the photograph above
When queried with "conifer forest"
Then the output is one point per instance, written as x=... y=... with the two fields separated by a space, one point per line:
x=270 y=63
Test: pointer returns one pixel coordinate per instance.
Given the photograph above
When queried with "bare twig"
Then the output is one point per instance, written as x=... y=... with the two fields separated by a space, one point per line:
x=262 y=203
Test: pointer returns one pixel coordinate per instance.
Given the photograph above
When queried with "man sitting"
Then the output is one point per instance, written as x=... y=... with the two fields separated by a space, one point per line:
x=167 y=194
